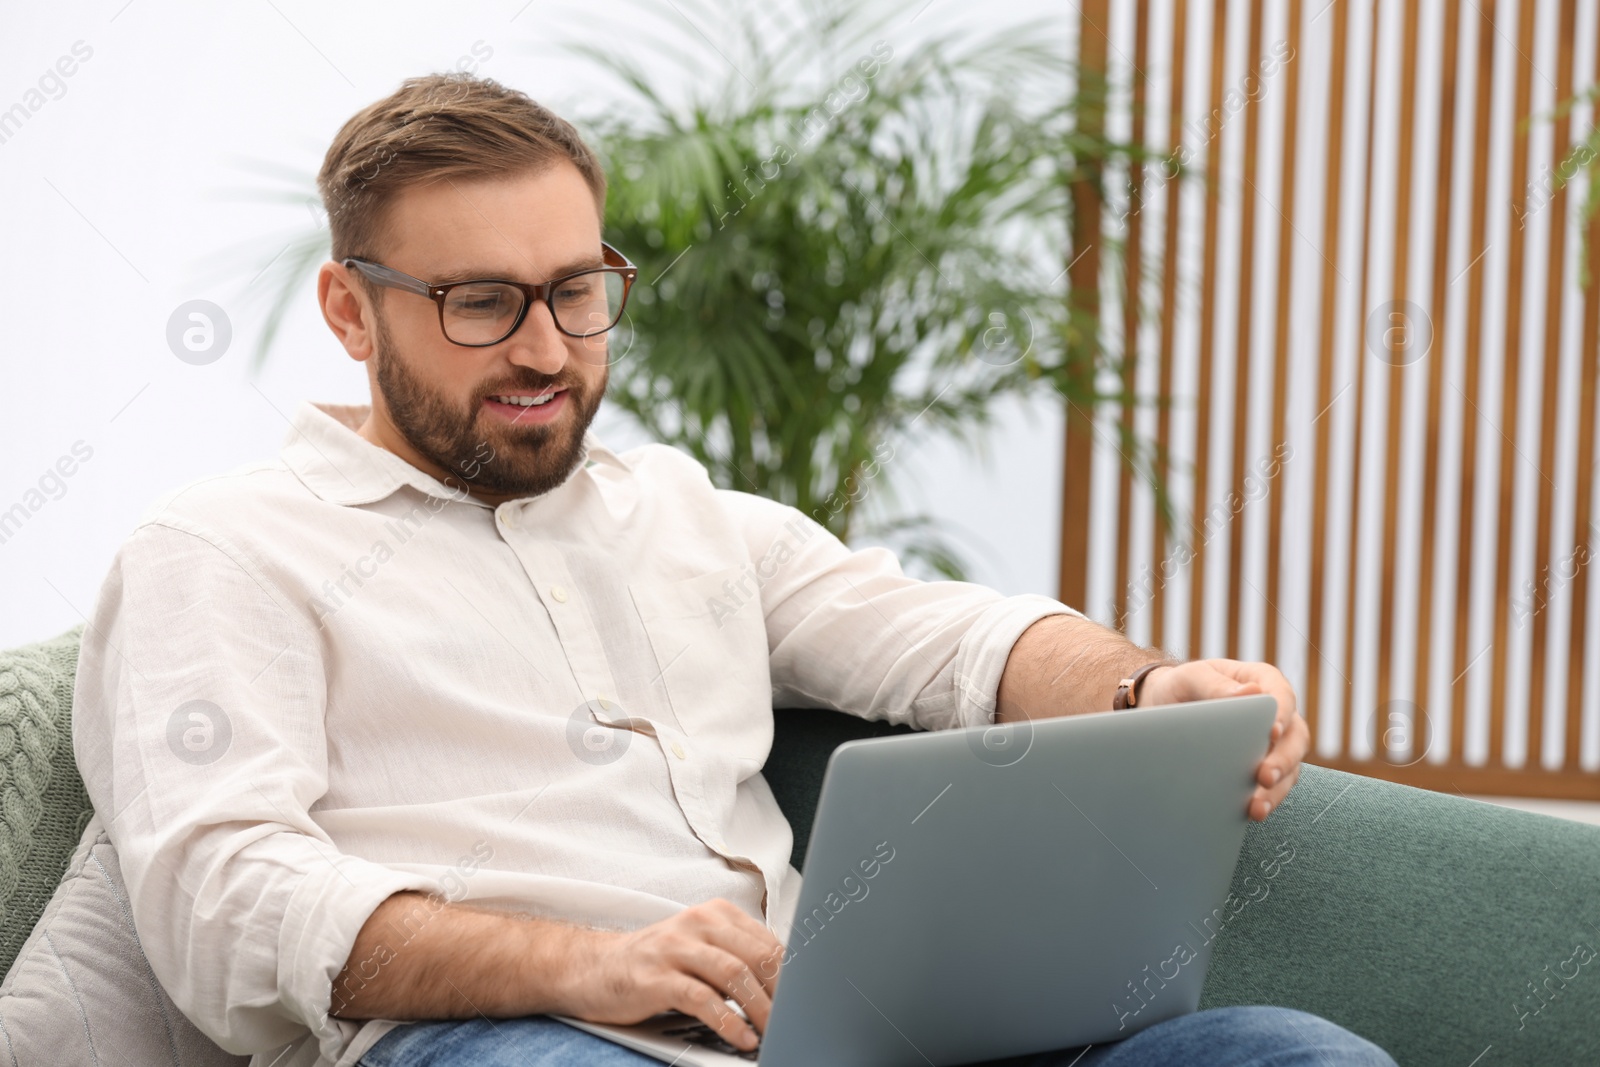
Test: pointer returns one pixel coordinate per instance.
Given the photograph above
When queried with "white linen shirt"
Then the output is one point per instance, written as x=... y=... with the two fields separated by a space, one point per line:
x=310 y=683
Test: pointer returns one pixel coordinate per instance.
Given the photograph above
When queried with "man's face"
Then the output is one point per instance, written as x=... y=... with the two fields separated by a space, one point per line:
x=439 y=397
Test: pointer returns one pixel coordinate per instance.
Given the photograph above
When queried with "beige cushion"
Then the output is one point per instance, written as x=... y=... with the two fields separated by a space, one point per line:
x=81 y=994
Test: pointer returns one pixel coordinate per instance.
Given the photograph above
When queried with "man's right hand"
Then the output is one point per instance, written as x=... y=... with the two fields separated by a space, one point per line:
x=691 y=962
x=420 y=957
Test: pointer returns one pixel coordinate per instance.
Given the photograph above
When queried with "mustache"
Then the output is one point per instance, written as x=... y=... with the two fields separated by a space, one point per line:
x=533 y=382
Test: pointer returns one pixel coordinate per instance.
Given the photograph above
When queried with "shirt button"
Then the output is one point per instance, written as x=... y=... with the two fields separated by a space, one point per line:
x=677 y=750
x=507 y=520
x=559 y=593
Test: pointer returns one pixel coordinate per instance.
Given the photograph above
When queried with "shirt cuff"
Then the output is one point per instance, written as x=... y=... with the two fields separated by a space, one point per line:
x=324 y=915
x=981 y=659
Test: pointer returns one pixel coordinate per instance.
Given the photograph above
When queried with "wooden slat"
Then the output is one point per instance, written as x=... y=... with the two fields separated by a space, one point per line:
x=1326 y=359
x=1347 y=726
x=1280 y=335
x=1242 y=331
x=1583 y=515
x=1555 y=288
x=1075 y=478
x=1208 y=318
x=1410 y=53
x=1436 y=357
x=1484 y=781
x=1462 y=658
x=1083 y=283
x=1132 y=299
x=1509 y=377
x=1169 y=303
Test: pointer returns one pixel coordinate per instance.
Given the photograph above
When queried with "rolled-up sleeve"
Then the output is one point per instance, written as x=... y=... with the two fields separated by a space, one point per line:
x=849 y=630
x=198 y=728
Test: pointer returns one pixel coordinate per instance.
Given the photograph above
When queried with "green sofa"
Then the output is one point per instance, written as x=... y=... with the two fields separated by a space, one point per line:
x=1448 y=931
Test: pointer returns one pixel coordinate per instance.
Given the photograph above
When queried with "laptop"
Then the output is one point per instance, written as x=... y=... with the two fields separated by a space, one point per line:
x=985 y=892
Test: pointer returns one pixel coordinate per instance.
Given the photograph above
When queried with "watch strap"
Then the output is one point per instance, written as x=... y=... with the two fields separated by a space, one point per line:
x=1127 y=694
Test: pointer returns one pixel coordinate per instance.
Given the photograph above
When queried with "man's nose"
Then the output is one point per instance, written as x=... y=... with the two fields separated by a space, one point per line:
x=537 y=343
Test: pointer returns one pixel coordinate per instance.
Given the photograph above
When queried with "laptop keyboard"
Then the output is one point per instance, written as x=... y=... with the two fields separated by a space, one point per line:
x=702 y=1035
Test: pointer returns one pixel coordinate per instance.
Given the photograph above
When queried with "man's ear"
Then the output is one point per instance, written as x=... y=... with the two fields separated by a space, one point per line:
x=345 y=309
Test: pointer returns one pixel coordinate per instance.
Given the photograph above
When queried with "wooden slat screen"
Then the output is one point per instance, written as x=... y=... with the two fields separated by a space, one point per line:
x=1366 y=369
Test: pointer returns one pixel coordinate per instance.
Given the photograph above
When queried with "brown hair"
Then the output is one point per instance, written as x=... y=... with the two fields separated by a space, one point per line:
x=438 y=126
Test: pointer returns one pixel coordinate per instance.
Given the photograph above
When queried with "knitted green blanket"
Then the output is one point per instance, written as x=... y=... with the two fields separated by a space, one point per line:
x=43 y=806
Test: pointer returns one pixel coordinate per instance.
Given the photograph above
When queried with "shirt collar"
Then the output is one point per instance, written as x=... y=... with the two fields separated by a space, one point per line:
x=324 y=449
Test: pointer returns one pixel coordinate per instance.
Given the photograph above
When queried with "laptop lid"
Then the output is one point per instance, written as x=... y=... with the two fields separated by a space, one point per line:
x=986 y=892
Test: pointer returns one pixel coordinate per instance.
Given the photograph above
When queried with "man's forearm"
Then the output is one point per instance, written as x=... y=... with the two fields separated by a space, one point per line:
x=420 y=957
x=1067 y=665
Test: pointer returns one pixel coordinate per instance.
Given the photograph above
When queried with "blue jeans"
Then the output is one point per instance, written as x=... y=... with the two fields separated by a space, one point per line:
x=1220 y=1037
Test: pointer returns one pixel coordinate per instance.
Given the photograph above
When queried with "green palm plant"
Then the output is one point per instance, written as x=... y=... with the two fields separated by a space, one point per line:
x=840 y=244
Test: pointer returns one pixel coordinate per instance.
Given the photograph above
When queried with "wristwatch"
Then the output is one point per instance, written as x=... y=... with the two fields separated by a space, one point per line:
x=1127 y=695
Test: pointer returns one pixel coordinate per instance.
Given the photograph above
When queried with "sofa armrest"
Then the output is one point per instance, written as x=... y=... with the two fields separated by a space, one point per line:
x=1436 y=926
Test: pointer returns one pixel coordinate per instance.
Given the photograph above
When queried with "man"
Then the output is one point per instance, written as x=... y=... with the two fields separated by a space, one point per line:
x=453 y=715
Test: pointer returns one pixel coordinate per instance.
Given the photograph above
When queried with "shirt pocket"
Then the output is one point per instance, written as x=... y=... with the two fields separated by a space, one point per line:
x=710 y=642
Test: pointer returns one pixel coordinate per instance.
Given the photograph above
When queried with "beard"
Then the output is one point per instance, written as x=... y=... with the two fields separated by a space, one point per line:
x=470 y=444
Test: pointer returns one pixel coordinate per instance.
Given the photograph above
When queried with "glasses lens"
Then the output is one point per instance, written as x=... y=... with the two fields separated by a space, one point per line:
x=481 y=313
x=587 y=304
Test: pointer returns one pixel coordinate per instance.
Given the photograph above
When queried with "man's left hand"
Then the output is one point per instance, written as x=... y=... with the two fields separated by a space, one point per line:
x=1211 y=679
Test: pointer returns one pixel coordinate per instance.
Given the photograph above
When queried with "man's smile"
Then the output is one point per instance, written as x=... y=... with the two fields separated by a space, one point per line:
x=525 y=408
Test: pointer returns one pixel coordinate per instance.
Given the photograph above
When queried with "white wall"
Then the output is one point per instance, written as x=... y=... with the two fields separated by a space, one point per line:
x=126 y=179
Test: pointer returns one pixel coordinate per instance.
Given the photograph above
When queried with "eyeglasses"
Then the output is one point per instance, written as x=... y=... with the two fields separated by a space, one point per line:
x=488 y=310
